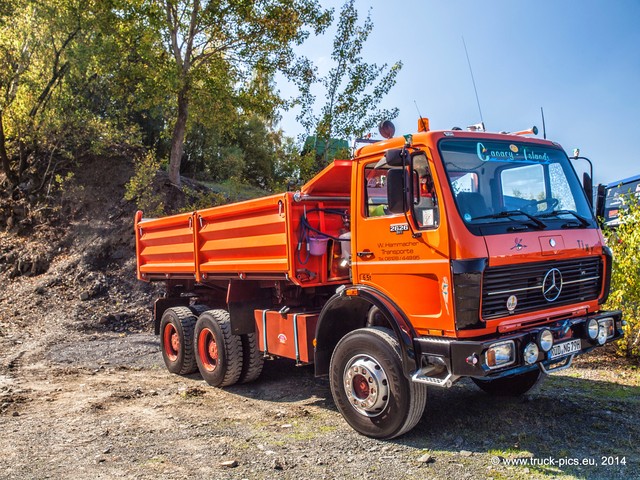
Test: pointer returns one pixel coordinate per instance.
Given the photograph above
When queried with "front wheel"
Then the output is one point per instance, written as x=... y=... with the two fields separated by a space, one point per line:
x=511 y=386
x=369 y=386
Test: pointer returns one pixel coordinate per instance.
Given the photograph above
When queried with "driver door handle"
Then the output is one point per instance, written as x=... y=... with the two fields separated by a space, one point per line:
x=366 y=254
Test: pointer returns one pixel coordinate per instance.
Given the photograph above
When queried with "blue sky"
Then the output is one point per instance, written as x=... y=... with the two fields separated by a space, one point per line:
x=580 y=61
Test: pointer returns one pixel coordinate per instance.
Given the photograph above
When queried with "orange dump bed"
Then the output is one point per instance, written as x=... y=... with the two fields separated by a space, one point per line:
x=242 y=238
x=253 y=239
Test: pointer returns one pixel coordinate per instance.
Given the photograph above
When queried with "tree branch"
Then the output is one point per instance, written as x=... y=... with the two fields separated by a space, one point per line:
x=172 y=24
x=192 y=28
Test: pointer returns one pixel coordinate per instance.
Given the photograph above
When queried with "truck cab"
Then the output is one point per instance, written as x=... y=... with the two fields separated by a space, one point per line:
x=491 y=235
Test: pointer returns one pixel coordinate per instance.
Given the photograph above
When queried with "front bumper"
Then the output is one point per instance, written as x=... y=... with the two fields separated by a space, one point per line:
x=442 y=361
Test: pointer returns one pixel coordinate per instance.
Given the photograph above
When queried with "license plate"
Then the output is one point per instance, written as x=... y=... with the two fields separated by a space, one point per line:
x=566 y=348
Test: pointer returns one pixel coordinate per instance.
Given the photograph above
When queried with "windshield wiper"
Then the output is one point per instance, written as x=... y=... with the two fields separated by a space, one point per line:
x=512 y=213
x=583 y=221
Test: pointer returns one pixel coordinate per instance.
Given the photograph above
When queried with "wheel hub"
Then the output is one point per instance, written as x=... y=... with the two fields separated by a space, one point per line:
x=208 y=349
x=171 y=342
x=213 y=350
x=366 y=385
x=175 y=341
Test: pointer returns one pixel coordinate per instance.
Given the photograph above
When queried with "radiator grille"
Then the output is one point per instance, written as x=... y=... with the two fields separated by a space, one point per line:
x=581 y=281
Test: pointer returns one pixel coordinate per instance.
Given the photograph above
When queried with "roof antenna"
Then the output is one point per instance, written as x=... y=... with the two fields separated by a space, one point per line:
x=424 y=125
x=544 y=128
x=473 y=80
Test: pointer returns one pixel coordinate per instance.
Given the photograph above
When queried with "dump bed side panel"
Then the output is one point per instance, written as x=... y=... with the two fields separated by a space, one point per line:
x=247 y=237
x=165 y=246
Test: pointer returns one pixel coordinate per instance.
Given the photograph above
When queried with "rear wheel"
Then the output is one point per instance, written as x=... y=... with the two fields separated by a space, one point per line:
x=218 y=351
x=252 y=358
x=176 y=340
x=369 y=386
x=511 y=386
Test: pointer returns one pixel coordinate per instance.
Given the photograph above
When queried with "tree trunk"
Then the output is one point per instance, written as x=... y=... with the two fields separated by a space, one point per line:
x=177 y=139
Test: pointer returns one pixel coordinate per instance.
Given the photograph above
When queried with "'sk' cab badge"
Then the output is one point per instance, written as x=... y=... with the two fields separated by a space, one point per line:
x=552 y=242
x=512 y=303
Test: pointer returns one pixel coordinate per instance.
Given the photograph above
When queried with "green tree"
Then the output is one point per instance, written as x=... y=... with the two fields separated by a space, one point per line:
x=353 y=87
x=624 y=241
x=244 y=37
x=35 y=39
x=122 y=74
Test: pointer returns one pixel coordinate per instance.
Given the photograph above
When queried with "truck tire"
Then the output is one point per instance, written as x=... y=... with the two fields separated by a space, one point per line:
x=218 y=351
x=176 y=340
x=252 y=358
x=369 y=386
x=511 y=386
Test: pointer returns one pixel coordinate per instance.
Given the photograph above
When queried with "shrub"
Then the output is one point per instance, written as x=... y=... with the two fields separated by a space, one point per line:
x=200 y=199
x=625 y=282
x=141 y=187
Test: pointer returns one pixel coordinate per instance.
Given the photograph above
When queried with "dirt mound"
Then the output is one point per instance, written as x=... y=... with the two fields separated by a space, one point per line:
x=74 y=271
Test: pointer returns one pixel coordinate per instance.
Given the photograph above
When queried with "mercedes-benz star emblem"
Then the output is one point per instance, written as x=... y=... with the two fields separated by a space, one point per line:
x=512 y=303
x=552 y=285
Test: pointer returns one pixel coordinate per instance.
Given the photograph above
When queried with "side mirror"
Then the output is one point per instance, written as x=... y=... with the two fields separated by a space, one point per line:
x=587 y=184
x=395 y=157
x=396 y=192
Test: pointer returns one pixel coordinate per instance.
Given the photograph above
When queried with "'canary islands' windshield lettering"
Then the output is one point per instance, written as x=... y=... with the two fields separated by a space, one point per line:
x=512 y=154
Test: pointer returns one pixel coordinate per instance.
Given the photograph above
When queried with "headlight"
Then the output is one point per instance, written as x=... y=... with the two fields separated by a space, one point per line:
x=592 y=328
x=545 y=339
x=602 y=335
x=500 y=354
x=531 y=353
x=607 y=325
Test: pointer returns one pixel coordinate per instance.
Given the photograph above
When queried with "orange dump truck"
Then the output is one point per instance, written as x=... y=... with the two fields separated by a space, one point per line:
x=423 y=260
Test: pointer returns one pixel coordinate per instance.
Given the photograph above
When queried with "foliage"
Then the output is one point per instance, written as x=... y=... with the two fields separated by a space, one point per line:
x=624 y=241
x=85 y=78
x=52 y=74
x=200 y=199
x=34 y=46
x=354 y=88
x=234 y=191
x=140 y=187
x=292 y=168
x=250 y=153
x=234 y=40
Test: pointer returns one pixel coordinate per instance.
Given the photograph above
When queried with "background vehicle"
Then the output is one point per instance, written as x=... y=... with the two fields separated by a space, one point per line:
x=424 y=259
x=611 y=199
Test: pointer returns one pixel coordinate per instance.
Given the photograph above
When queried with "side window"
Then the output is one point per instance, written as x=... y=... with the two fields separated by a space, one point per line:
x=375 y=191
x=425 y=201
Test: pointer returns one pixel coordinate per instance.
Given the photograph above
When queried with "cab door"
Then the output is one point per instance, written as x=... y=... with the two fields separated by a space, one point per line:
x=404 y=257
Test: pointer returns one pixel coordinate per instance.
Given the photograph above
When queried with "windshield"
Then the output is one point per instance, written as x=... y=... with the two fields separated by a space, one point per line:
x=513 y=185
x=616 y=200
